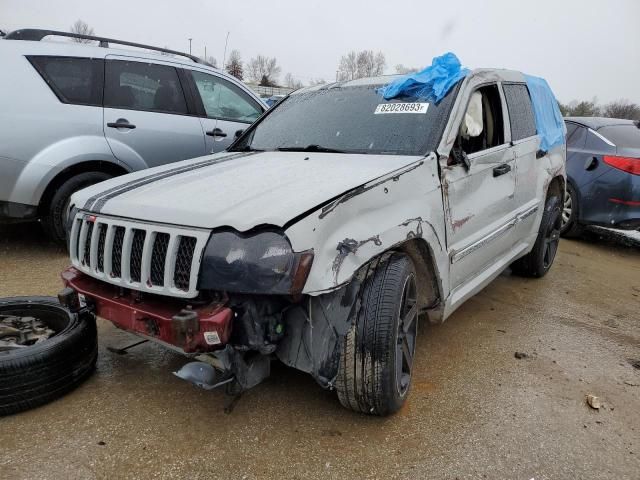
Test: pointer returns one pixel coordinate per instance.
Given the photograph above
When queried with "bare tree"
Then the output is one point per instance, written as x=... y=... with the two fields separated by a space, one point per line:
x=234 y=65
x=622 y=109
x=291 y=82
x=211 y=60
x=585 y=108
x=81 y=28
x=361 y=64
x=348 y=66
x=263 y=69
x=401 y=69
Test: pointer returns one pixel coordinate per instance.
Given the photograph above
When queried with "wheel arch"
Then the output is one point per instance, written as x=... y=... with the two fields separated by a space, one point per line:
x=102 y=166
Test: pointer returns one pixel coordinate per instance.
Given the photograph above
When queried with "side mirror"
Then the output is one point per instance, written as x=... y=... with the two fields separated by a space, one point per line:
x=460 y=157
x=238 y=133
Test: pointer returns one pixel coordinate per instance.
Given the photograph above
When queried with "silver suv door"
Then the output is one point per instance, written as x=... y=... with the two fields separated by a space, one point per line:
x=226 y=109
x=480 y=198
x=147 y=121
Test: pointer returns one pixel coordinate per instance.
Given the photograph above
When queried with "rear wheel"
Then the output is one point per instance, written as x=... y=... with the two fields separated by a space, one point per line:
x=539 y=260
x=55 y=216
x=570 y=226
x=377 y=356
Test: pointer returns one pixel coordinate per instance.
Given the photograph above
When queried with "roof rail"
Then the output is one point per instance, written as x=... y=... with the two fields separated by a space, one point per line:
x=35 y=34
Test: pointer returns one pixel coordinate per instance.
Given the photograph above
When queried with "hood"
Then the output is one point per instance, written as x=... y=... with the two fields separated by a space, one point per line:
x=239 y=190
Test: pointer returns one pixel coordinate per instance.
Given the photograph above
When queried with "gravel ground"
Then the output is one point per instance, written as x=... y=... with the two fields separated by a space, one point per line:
x=475 y=411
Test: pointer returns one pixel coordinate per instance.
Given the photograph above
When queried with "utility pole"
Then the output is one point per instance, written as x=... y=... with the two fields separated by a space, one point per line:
x=190 y=45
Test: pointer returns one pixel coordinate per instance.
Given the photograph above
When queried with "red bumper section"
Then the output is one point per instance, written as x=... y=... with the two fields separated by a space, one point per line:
x=163 y=319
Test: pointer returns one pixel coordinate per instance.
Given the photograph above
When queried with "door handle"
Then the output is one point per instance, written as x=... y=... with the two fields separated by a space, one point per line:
x=121 y=123
x=591 y=164
x=216 y=132
x=501 y=169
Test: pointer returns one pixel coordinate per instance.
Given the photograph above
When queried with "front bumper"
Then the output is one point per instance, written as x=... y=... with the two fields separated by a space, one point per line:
x=161 y=319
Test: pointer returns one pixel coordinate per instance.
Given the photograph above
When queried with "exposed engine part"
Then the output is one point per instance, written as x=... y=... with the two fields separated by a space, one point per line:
x=258 y=325
x=20 y=332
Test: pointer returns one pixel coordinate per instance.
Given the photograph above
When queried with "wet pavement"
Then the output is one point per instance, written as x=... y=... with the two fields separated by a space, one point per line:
x=475 y=411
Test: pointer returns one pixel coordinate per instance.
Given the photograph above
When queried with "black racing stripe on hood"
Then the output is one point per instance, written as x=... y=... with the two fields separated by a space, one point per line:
x=96 y=202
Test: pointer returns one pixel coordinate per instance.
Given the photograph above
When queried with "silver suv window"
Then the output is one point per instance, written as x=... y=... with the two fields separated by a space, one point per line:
x=224 y=100
x=143 y=86
x=73 y=79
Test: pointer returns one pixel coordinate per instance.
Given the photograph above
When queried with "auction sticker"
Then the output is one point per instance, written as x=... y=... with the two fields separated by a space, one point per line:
x=212 y=338
x=401 y=108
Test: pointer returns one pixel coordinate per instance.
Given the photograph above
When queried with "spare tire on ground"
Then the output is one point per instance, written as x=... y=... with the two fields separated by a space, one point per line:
x=45 y=351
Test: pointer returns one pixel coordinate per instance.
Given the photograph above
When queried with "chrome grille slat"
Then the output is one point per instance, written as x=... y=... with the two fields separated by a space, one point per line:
x=157 y=258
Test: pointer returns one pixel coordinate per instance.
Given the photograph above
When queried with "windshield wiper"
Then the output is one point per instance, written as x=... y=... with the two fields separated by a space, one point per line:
x=310 y=148
x=246 y=148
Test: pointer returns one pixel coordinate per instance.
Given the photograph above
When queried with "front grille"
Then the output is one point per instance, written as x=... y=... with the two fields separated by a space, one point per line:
x=183 y=262
x=116 y=252
x=158 y=258
x=135 y=265
x=102 y=235
x=138 y=256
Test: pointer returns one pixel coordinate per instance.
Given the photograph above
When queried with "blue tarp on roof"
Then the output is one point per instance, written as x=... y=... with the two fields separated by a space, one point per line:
x=431 y=84
x=546 y=111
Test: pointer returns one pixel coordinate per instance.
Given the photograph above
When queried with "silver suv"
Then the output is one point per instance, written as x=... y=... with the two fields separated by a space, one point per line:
x=72 y=115
x=326 y=229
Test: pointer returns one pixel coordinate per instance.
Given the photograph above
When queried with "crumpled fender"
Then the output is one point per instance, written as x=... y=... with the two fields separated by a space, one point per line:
x=371 y=219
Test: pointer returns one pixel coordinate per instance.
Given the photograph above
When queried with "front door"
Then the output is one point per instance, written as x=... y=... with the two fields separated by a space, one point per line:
x=146 y=118
x=480 y=198
x=227 y=109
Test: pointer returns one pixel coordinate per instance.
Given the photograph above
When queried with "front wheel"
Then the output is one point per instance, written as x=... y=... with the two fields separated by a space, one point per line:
x=376 y=360
x=55 y=217
x=570 y=226
x=539 y=260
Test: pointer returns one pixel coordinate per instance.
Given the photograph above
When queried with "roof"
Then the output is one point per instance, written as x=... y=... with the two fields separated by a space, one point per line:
x=496 y=74
x=595 y=123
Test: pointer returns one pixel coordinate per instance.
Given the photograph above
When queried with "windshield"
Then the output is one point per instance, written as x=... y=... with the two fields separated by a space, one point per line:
x=622 y=135
x=353 y=119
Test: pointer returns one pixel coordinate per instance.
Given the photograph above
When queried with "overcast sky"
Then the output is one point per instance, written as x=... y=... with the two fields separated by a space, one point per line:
x=583 y=48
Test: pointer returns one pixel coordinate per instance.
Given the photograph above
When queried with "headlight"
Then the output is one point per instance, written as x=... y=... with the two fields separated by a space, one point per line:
x=258 y=263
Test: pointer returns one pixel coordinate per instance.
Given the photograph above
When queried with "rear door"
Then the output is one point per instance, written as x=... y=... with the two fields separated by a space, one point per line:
x=147 y=120
x=529 y=188
x=225 y=109
x=480 y=200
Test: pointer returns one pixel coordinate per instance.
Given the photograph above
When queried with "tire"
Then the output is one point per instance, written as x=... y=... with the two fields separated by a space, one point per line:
x=374 y=375
x=39 y=373
x=570 y=208
x=540 y=259
x=54 y=218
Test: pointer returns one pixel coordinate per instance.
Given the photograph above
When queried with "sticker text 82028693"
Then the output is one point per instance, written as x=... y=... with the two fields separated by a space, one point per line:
x=415 y=107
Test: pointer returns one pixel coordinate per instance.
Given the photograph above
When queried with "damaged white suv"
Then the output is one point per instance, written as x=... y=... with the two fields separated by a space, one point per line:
x=324 y=232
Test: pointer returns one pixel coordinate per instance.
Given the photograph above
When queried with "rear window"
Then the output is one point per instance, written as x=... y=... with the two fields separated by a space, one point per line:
x=353 y=119
x=143 y=86
x=523 y=124
x=622 y=135
x=72 y=79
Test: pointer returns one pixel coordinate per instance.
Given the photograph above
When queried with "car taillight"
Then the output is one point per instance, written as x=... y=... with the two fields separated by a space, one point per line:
x=631 y=165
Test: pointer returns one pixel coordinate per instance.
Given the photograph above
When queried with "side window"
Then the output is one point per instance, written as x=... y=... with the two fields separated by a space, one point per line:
x=143 y=86
x=72 y=79
x=595 y=143
x=523 y=123
x=222 y=99
x=577 y=137
x=483 y=124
